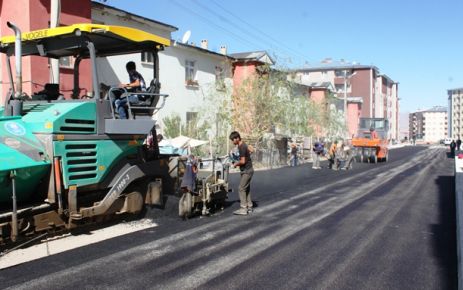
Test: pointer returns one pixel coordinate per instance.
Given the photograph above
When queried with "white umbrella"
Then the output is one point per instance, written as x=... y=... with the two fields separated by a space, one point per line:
x=180 y=141
x=195 y=143
x=184 y=142
x=164 y=142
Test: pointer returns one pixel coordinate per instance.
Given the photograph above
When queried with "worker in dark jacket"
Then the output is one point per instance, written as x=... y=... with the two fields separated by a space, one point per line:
x=317 y=151
x=453 y=145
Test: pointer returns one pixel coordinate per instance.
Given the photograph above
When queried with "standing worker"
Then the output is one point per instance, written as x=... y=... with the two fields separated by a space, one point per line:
x=339 y=155
x=452 y=148
x=246 y=171
x=317 y=152
x=458 y=143
x=293 y=158
x=349 y=157
x=332 y=154
x=189 y=178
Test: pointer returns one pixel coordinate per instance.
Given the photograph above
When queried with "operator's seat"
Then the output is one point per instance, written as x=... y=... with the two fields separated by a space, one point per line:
x=146 y=103
x=140 y=113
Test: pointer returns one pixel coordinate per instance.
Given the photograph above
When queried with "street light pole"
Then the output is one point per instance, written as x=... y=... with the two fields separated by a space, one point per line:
x=345 y=97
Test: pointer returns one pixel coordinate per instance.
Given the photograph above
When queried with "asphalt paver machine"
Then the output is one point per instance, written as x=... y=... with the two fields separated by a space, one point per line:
x=67 y=162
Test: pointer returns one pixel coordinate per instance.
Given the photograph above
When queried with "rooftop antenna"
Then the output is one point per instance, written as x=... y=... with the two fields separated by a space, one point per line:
x=186 y=36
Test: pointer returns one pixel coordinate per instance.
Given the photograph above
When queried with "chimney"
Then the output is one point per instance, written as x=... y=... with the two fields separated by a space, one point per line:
x=223 y=50
x=204 y=44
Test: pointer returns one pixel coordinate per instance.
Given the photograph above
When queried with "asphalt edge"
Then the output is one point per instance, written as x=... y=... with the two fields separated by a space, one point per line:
x=459 y=215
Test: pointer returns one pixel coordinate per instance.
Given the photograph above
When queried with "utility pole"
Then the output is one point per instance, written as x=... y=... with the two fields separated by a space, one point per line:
x=345 y=97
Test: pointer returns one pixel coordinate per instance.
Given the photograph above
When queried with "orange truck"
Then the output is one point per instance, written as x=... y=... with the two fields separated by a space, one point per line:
x=371 y=143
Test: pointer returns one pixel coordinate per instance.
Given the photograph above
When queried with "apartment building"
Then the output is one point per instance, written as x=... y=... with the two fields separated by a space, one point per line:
x=188 y=73
x=378 y=92
x=430 y=125
x=416 y=126
x=455 y=112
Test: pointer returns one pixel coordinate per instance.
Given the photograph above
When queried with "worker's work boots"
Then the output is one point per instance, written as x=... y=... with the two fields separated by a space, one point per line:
x=241 y=211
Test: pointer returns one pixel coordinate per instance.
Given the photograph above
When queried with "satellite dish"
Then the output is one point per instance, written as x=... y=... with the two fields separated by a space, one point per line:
x=186 y=36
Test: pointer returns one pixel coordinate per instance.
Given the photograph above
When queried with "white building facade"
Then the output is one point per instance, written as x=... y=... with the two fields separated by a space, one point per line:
x=435 y=124
x=429 y=126
x=190 y=75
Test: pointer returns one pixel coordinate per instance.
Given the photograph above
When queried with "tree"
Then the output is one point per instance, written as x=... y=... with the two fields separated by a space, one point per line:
x=172 y=126
x=265 y=102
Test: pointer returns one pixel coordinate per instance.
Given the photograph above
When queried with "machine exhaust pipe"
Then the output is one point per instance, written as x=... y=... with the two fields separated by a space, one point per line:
x=18 y=58
x=16 y=104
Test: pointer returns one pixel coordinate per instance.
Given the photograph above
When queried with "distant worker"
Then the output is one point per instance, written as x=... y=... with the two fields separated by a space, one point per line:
x=189 y=177
x=317 y=151
x=453 y=145
x=293 y=155
x=247 y=171
x=373 y=134
x=332 y=154
x=339 y=155
x=348 y=157
x=137 y=84
x=458 y=143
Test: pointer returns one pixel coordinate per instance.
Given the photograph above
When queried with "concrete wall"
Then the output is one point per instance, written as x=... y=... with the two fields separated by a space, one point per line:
x=459 y=216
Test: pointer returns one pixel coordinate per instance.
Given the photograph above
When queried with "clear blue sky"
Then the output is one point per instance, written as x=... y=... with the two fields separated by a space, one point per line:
x=416 y=43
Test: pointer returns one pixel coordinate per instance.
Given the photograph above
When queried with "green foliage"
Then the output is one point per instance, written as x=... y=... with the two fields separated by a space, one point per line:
x=172 y=126
x=273 y=101
x=266 y=102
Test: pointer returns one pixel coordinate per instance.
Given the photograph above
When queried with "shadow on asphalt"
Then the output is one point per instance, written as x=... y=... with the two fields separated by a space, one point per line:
x=444 y=233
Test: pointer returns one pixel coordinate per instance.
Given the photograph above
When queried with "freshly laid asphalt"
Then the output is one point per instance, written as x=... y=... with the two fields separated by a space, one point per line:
x=384 y=226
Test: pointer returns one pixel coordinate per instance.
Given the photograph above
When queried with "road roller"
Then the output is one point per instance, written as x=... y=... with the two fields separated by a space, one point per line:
x=371 y=143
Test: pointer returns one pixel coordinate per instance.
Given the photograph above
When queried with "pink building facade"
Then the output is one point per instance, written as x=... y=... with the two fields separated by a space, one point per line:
x=31 y=15
x=378 y=93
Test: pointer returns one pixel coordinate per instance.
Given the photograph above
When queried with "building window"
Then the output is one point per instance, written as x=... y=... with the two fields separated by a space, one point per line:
x=66 y=62
x=219 y=78
x=191 y=117
x=339 y=88
x=339 y=73
x=190 y=73
x=147 y=57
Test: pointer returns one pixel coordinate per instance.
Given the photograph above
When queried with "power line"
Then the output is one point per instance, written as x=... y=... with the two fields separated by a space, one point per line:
x=257 y=29
x=244 y=29
x=242 y=40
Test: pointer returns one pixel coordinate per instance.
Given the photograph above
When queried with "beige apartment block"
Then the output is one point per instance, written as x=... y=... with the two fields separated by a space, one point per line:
x=455 y=100
x=430 y=125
